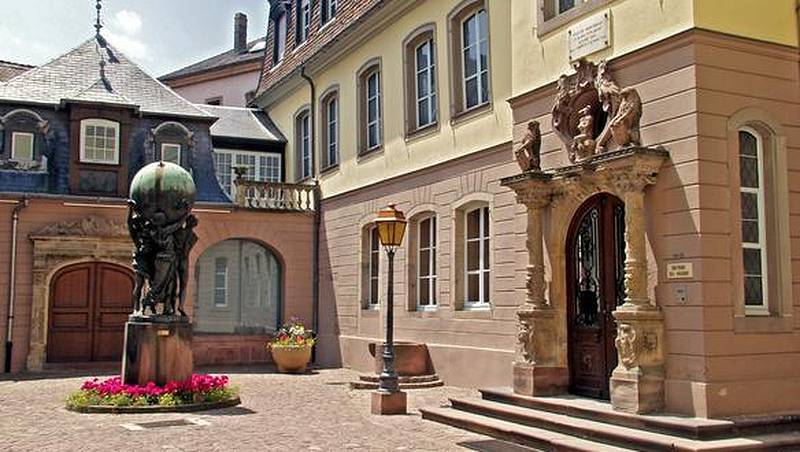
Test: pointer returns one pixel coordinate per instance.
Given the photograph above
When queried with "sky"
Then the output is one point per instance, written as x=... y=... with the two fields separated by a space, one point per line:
x=159 y=35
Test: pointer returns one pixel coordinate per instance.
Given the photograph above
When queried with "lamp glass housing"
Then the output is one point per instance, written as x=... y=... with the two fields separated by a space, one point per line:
x=391 y=225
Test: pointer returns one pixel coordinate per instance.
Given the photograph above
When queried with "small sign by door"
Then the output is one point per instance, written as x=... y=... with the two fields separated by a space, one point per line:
x=680 y=270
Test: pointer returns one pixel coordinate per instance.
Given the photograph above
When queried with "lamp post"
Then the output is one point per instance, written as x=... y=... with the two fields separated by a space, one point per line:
x=388 y=399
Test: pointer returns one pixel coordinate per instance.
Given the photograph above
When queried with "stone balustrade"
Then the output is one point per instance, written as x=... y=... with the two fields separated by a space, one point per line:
x=275 y=196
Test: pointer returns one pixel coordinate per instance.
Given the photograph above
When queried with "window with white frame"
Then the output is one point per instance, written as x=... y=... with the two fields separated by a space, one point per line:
x=426 y=263
x=220 y=281
x=373 y=107
x=280 y=39
x=374 y=267
x=303 y=135
x=425 y=67
x=99 y=141
x=476 y=255
x=754 y=237
x=259 y=166
x=303 y=20
x=475 y=59
x=22 y=146
x=332 y=130
x=171 y=152
x=328 y=10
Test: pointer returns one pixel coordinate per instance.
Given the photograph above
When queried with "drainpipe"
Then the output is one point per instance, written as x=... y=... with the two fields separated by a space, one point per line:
x=12 y=283
x=317 y=213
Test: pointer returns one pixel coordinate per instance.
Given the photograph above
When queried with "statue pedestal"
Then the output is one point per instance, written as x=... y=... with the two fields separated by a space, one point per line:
x=157 y=349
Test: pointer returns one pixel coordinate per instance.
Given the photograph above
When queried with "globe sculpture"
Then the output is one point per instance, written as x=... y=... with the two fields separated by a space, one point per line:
x=161 y=225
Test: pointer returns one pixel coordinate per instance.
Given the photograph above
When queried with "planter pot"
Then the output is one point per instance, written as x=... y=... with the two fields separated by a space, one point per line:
x=291 y=359
x=410 y=358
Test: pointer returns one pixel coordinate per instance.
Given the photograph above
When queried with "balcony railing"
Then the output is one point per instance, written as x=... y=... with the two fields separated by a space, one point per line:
x=275 y=196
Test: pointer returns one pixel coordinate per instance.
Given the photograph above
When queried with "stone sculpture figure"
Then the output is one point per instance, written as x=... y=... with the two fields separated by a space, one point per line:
x=527 y=154
x=562 y=110
x=623 y=107
x=583 y=145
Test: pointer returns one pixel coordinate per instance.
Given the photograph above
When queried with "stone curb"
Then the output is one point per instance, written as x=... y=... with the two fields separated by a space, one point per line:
x=99 y=409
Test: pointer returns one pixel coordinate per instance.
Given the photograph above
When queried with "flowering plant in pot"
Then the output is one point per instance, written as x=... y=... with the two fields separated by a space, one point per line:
x=291 y=346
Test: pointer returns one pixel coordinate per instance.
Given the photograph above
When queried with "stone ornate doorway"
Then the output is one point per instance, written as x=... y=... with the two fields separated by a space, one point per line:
x=595 y=251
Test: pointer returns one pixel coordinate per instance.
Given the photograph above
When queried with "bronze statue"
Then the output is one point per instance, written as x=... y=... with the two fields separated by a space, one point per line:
x=623 y=107
x=162 y=228
x=527 y=154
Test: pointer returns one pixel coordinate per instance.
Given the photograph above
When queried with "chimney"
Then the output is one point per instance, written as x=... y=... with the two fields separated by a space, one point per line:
x=240 y=32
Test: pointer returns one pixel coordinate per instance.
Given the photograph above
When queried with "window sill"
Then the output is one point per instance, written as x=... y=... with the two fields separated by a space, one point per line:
x=545 y=27
x=303 y=180
x=474 y=312
x=474 y=112
x=427 y=313
x=297 y=46
x=763 y=324
x=330 y=169
x=422 y=132
x=369 y=153
x=326 y=24
x=372 y=310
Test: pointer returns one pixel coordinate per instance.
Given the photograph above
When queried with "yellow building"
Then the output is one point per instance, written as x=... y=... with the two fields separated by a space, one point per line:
x=667 y=276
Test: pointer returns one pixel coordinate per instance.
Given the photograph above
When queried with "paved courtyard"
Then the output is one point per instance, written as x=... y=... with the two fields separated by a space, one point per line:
x=315 y=411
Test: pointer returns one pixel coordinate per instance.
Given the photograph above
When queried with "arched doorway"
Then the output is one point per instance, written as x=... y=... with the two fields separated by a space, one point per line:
x=89 y=305
x=595 y=287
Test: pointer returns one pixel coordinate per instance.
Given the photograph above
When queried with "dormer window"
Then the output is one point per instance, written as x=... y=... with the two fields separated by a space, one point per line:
x=303 y=26
x=100 y=141
x=279 y=48
x=22 y=146
x=328 y=11
x=171 y=152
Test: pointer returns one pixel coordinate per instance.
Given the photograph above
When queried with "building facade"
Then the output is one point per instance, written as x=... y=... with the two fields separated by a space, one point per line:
x=73 y=132
x=422 y=104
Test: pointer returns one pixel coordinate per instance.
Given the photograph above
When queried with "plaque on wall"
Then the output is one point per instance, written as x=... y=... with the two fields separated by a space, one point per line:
x=589 y=36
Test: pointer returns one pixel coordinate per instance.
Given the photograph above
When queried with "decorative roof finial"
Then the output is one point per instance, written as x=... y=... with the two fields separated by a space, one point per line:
x=98 y=25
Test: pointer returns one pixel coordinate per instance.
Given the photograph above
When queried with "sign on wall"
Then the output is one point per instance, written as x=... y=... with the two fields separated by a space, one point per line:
x=680 y=270
x=589 y=36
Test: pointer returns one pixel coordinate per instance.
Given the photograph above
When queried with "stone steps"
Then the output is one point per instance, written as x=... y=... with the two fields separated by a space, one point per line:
x=371 y=381
x=544 y=422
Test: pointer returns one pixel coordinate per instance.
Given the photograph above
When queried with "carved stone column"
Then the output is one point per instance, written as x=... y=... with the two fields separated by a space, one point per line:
x=637 y=383
x=535 y=369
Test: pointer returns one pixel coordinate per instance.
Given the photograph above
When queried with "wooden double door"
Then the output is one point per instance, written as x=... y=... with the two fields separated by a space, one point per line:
x=89 y=305
x=595 y=287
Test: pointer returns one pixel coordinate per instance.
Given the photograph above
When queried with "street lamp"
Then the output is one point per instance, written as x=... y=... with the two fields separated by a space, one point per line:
x=388 y=399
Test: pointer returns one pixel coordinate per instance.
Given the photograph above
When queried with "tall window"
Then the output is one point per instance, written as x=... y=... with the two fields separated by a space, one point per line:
x=475 y=58
x=331 y=138
x=328 y=10
x=564 y=5
x=426 y=264
x=259 y=166
x=477 y=254
x=303 y=20
x=99 y=141
x=372 y=107
x=220 y=281
x=22 y=146
x=754 y=237
x=303 y=135
x=425 y=65
x=280 y=39
x=374 y=259
x=171 y=152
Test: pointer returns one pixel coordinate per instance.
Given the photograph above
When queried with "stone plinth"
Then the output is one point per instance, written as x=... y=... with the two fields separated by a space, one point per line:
x=157 y=350
x=410 y=358
x=388 y=402
x=537 y=381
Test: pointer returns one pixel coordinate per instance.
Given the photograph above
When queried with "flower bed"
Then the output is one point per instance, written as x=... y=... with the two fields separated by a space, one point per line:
x=113 y=393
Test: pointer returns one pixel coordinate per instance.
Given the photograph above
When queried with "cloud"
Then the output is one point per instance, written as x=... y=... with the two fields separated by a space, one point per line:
x=128 y=21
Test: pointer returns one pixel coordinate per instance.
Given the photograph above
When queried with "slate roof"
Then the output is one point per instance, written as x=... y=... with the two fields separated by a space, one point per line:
x=247 y=123
x=9 y=70
x=75 y=77
x=229 y=58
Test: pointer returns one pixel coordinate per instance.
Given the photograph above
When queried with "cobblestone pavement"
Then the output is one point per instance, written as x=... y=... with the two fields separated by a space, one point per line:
x=315 y=411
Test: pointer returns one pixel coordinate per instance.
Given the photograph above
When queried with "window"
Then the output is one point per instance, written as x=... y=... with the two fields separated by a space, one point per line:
x=220 y=281
x=259 y=166
x=303 y=136
x=475 y=59
x=22 y=146
x=279 y=48
x=426 y=264
x=99 y=141
x=331 y=129
x=328 y=10
x=303 y=25
x=476 y=255
x=238 y=289
x=371 y=109
x=171 y=152
x=374 y=259
x=754 y=228
x=425 y=83
x=564 y=5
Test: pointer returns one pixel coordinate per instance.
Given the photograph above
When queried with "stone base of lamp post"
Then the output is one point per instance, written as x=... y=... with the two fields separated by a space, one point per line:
x=389 y=402
x=535 y=381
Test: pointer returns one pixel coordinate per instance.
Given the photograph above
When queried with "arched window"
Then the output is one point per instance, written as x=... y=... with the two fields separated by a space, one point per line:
x=330 y=129
x=422 y=260
x=422 y=107
x=469 y=25
x=753 y=187
x=302 y=127
x=238 y=289
x=370 y=267
x=370 y=107
x=473 y=253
